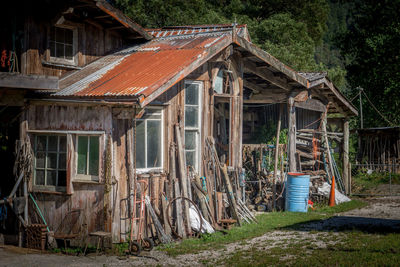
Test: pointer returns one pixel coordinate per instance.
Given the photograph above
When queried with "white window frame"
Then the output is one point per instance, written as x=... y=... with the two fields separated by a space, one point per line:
x=144 y=170
x=87 y=177
x=198 y=128
x=45 y=186
x=59 y=60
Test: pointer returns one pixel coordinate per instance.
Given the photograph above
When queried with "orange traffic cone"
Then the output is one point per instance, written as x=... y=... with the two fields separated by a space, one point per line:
x=332 y=194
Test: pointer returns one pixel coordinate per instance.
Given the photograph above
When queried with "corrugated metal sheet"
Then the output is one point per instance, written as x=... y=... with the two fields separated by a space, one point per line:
x=141 y=70
x=313 y=76
x=192 y=29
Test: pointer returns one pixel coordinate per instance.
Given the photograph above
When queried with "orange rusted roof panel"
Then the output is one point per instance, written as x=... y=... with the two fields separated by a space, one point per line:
x=146 y=68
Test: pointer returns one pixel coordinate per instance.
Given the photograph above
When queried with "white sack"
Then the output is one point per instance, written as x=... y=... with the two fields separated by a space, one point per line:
x=195 y=221
x=325 y=190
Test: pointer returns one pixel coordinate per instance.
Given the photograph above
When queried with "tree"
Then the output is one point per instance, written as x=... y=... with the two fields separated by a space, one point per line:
x=372 y=50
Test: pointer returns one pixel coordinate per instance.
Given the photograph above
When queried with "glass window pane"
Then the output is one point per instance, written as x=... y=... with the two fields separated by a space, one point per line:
x=52 y=145
x=62 y=178
x=152 y=114
x=191 y=116
x=39 y=177
x=63 y=144
x=62 y=162
x=52 y=49
x=190 y=140
x=40 y=157
x=51 y=177
x=153 y=144
x=68 y=36
x=51 y=160
x=68 y=52
x=94 y=156
x=60 y=35
x=190 y=158
x=219 y=81
x=41 y=143
x=82 y=154
x=140 y=145
x=59 y=50
x=192 y=94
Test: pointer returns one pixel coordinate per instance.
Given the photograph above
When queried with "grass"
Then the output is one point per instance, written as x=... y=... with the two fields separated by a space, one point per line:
x=353 y=249
x=363 y=182
x=267 y=222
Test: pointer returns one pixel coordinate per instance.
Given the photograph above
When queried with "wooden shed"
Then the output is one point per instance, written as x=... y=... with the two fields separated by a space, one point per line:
x=147 y=112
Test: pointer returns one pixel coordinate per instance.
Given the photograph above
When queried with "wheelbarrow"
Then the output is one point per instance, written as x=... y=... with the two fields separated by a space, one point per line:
x=138 y=243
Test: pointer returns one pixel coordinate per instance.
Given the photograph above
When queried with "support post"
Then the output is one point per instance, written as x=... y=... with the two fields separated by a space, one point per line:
x=292 y=134
x=183 y=177
x=328 y=151
x=346 y=156
x=278 y=131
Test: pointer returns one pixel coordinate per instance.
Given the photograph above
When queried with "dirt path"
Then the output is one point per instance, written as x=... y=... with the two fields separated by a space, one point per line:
x=381 y=215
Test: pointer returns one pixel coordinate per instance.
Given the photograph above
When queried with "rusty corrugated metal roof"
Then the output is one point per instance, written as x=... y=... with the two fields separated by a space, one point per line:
x=144 y=69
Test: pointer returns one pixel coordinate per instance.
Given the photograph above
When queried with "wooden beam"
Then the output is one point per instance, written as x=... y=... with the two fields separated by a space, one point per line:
x=346 y=179
x=16 y=80
x=275 y=63
x=252 y=86
x=251 y=67
x=124 y=20
x=311 y=104
x=292 y=134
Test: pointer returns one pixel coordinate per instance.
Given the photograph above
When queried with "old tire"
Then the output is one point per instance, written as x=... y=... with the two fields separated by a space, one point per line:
x=135 y=248
x=147 y=244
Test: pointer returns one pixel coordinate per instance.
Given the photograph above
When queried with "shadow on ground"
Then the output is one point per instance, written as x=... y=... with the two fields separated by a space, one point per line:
x=350 y=223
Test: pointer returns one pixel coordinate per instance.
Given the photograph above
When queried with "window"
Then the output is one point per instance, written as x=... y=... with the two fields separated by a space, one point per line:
x=192 y=123
x=223 y=82
x=62 y=43
x=50 y=161
x=88 y=157
x=149 y=139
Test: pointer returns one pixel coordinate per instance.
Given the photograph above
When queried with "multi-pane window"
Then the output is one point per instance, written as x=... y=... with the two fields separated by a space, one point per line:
x=88 y=156
x=61 y=43
x=148 y=139
x=50 y=160
x=192 y=123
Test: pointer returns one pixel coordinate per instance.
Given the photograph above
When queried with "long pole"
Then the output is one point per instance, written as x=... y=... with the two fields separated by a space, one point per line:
x=361 y=110
x=278 y=130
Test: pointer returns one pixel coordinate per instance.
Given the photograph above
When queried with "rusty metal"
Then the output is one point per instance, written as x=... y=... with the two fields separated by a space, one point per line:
x=36 y=236
x=169 y=218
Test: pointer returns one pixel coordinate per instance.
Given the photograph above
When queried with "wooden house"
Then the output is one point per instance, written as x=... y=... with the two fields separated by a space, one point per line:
x=112 y=111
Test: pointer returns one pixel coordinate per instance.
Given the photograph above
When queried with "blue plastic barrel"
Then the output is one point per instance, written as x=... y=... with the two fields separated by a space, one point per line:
x=297 y=188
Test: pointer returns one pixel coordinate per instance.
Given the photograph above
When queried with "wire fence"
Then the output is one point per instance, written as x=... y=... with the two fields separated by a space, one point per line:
x=375 y=179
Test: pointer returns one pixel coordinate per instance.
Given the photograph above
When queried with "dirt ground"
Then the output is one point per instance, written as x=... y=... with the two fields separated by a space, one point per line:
x=382 y=214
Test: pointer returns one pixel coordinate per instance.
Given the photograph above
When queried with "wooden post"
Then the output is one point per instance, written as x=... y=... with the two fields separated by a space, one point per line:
x=292 y=134
x=346 y=156
x=278 y=131
x=229 y=192
x=328 y=151
x=178 y=203
x=183 y=177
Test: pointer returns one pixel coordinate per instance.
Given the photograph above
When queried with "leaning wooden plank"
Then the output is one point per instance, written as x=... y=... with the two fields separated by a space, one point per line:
x=183 y=177
x=178 y=204
x=164 y=238
x=229 y=192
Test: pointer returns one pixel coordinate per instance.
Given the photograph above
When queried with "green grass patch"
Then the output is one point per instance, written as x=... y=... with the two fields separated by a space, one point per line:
x=364 y=182
x=354 y=249
x=267 y=222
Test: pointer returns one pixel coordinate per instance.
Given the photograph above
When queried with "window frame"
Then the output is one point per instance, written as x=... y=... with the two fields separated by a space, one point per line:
x=59 y=60
x=194 y=129
x=46 y=187
x=87 y=177
x=147 y=169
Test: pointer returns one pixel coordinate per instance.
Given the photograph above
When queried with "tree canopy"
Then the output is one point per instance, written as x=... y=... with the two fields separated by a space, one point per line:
x=356 y=41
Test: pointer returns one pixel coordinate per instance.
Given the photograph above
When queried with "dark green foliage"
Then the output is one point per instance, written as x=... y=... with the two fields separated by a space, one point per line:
x=371 y=47
x=289 y=30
